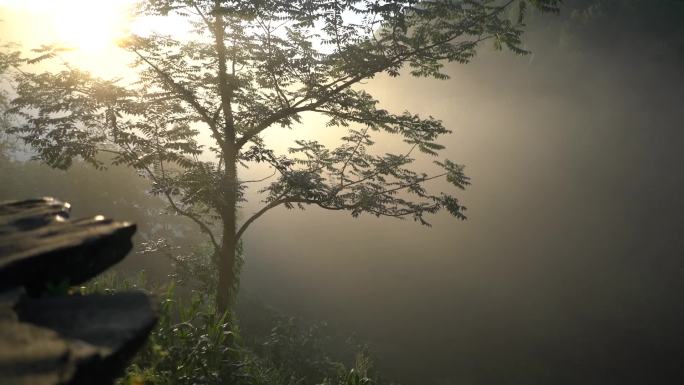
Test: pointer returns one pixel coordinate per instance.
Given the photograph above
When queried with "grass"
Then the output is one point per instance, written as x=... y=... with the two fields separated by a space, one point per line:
x=193 y=345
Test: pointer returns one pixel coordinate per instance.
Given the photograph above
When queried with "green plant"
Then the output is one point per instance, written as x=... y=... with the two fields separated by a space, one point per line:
x=252 y=66
x=192 y=344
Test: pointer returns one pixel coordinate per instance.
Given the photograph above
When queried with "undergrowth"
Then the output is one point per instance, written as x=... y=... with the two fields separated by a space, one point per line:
x=193 y=345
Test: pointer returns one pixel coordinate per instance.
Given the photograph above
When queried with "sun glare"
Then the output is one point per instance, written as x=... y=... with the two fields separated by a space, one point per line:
x=90 y=25
x=91 y=29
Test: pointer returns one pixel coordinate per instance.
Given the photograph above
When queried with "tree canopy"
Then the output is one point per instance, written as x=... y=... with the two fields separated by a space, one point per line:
x=246 y=67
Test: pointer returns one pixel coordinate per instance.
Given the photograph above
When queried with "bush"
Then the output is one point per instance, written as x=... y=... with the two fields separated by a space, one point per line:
x=192 y=345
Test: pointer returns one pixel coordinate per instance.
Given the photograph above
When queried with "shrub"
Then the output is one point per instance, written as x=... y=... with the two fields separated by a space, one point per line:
x=193 y=345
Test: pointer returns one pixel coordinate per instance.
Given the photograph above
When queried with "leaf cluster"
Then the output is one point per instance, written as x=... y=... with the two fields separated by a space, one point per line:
x=247 y=67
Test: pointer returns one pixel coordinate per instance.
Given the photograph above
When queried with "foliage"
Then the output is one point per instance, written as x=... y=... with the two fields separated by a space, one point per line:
x=192 y=344
x=7 y=59
x=119 y=193
x=196 y=269
x=250 y=66
x=649 y=29
x=298 y=349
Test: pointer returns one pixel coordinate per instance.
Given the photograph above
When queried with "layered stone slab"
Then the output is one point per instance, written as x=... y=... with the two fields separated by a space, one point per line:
x=48 y=337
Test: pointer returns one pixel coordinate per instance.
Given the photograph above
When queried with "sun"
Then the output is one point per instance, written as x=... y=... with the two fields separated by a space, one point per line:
x=90 y=29
x=90 y=25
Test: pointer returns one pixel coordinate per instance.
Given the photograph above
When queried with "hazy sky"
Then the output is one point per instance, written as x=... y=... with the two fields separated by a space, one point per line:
x=569 y=266
x=570 y=261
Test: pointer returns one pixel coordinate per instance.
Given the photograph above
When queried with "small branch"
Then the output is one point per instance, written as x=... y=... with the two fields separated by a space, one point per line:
x=297 y=107
x=185 y=213
x=281 y=95
x=260 y=180
x=195 y=219
x=358 y=145
x=203 y=16
x=292 y=110
x=258 y=214
x=401 y=187
x=377 y=172
x=186 y=95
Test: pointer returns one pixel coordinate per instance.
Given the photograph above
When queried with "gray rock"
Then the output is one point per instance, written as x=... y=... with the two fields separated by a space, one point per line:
x=37 y=356
x=65 y=340
x=39 y=247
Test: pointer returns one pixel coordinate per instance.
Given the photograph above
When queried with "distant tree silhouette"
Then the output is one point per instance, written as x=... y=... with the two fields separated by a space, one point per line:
x=249 y=66
x=603 y=24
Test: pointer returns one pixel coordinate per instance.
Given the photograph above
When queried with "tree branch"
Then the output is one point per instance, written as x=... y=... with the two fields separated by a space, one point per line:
x=205 y=228
x=296 y=108
x=186 y=95
x=258 y=214
x=225 y=89
x=353 y=153
x=262 y=179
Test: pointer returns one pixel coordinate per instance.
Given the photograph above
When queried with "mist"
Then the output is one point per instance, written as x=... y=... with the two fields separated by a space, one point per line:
x=569 y=267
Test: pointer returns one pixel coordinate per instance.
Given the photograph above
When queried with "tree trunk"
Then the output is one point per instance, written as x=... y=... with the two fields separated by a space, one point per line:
x=227 y=256
x=229 y=182
x=226 y=271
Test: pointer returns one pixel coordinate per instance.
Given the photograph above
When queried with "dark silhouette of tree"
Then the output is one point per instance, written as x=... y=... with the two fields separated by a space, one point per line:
x=255 y=65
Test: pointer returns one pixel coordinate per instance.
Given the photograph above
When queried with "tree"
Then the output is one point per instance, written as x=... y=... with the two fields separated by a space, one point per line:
x=8 y=58
x=251 y=66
